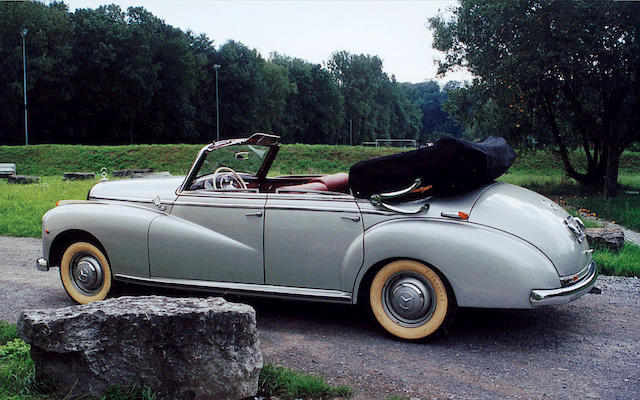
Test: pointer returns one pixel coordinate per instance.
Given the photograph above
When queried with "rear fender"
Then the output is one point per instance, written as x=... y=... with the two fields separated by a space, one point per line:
x=121 y=230
x=485 y=267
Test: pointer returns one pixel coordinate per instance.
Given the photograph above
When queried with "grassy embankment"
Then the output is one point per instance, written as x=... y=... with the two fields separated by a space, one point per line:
x=17 y=378
x=21 y=207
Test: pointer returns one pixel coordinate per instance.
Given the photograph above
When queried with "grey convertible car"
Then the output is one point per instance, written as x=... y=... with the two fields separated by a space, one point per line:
x=229 y=226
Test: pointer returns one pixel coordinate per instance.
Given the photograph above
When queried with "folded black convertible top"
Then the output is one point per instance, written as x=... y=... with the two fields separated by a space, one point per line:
x=451 y=165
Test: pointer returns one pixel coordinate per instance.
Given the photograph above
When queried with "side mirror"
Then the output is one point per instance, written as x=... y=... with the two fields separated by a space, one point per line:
x=242 y=155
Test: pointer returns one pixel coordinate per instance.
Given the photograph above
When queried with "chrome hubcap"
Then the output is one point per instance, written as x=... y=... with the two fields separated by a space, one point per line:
x=87 y=274
x=408 y=298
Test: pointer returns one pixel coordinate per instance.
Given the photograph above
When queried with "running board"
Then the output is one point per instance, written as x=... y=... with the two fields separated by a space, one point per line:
x=250 y=289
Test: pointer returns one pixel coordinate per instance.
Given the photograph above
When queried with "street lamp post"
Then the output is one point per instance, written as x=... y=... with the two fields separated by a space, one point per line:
x=24 y=70
x=217 y=67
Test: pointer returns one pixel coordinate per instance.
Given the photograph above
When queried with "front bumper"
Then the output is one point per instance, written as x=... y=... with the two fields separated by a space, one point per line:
x=42 y=264
x=549 y=297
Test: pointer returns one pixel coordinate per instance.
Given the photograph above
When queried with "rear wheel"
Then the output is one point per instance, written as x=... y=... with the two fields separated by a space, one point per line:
x=85 y=273
x=409 y=299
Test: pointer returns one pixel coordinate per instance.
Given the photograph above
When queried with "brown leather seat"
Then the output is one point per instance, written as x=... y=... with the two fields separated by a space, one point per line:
x=314 y=185
x=335 y=183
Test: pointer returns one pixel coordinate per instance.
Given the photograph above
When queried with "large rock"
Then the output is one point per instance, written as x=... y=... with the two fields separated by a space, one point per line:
x=164 y=174
x=183 y=348
x=78 y=176
x=22 y=179
x=609 y=238
x=128 y=173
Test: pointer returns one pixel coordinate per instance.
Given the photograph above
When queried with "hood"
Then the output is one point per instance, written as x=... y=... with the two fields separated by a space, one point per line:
x=533 y=218
x=137 y=189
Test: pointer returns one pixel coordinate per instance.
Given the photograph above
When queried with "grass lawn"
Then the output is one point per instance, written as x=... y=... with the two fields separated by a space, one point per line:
x=22 y=206
x=17 y=378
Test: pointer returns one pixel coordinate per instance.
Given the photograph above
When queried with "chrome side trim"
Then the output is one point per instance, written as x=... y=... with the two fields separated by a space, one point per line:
x=311 y=195
x=217 y=205
x=244 y=288
x=549 y=297
x=67 y=202
x=129 y=199
x=42 y=264
x=303 y=208
x=578 y=276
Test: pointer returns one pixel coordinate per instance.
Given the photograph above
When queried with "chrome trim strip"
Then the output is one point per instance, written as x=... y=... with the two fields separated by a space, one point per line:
x=129 y=199
x=311 y=195
x=568 y=279
x=303 y=208
x=42 y=264
x=548 y=297
x=309 y=191
x=287 y=291
x=225 y=195
x=217 y=205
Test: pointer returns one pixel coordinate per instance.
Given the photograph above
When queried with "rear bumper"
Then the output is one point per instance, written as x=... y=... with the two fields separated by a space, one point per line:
x=42 y=264
x=549 y=297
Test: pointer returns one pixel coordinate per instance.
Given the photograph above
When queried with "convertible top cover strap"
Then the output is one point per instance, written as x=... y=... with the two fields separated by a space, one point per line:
x=451 y=165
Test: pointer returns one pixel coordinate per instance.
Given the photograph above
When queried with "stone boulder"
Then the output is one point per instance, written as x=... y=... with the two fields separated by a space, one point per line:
x=128 y=173
x=182 y=348
x=22 y=179
x=78 y=176
x=164 y=174
x=609 y=238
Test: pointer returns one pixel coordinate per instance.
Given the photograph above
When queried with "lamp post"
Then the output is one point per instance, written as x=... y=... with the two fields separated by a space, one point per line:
x=24 y=70
x=217 y=67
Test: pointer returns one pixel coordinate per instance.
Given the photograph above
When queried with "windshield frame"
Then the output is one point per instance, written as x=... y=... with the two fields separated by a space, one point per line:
x=261 y=139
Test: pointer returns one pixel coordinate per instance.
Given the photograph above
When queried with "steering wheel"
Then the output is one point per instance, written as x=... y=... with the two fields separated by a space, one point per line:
x=229 y=179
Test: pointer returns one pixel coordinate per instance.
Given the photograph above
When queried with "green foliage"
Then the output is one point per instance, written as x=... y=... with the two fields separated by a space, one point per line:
x=289 y=384
x=549 y=71
x=624 y=263
x=7 y=332
x=108 y=75
x=624 y=209
x=375 y=106
x=131 y=393
x=17 y=372
x=430 y=98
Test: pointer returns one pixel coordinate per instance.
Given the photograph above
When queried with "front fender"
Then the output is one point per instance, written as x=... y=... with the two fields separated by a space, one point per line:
x=485 y=267
x=121 y=229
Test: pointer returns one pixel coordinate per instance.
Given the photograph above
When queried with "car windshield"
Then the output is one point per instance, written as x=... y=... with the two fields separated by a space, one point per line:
x=241 y=158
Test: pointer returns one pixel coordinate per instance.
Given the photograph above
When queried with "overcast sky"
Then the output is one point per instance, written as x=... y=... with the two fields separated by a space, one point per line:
x=312 y=30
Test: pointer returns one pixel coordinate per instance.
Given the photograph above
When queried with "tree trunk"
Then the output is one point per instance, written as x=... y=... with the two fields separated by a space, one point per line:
x=611 y=175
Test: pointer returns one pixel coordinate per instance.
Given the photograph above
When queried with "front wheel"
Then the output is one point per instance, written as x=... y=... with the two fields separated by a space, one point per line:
x=85 y=273
x=409 y=299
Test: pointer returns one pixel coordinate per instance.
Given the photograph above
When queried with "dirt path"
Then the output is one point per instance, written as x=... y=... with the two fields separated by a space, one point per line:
x=587 y=349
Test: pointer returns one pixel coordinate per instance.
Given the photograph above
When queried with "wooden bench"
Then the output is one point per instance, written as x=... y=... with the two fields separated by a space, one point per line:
x=7 y=169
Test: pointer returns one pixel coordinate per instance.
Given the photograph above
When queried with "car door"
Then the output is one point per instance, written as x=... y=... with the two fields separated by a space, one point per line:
x=312 y=240
x=210 y=236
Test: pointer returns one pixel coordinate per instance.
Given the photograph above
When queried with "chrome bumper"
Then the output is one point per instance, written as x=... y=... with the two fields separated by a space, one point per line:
x=42 y=264
x=549 y=297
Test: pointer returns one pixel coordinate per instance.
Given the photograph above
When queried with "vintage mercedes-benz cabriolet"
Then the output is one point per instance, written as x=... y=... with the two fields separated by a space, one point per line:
x=412 y=254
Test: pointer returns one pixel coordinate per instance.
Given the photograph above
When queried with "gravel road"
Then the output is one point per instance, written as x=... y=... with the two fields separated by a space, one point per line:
x=587 y=349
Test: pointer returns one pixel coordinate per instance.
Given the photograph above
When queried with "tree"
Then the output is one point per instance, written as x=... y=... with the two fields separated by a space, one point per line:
x=569 y=69
x=375 y=105
x=430 y=98
x=314 y=107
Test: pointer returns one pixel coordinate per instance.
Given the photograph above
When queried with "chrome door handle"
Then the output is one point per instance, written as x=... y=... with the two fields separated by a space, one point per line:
x=254 y=214
x=354 y=219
